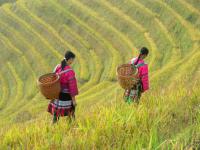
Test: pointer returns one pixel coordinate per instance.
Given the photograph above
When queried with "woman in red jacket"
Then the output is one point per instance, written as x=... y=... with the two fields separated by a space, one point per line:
x=143 y=85
x=65 y=105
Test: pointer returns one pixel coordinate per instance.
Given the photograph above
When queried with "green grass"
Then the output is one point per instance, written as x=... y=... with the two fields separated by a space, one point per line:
x=6 y=1
x=34 y=35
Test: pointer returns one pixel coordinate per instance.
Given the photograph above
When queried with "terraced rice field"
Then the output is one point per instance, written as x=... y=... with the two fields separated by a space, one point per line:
x=34 y=35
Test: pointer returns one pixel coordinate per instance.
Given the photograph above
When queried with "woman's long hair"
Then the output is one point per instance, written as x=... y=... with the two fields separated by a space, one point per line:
x=143 y=51
x=68 y=55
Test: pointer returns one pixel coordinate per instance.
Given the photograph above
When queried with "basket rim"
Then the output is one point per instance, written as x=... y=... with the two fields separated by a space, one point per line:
x=129 y=76
x=135 y=74
x=57 y=78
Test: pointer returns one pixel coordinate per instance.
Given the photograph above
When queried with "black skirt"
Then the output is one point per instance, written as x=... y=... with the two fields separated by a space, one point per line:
x=63 y=106
x=65 y=97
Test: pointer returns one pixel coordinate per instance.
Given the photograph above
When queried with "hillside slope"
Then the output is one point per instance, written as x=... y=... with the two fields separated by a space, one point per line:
x=34 y=35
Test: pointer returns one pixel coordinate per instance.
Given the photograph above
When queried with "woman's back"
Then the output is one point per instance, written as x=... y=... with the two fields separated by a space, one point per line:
x=67 y=80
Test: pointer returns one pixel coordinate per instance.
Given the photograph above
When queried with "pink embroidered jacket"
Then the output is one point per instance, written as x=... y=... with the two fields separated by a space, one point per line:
x=67 y=80
x=143 y=73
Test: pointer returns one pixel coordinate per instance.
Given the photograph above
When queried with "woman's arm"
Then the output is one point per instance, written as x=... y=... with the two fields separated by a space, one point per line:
x=73 y=88
x=143 y=73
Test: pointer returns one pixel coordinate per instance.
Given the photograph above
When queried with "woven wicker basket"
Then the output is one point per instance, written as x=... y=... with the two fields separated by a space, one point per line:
x=127 y=76
x=49 y=85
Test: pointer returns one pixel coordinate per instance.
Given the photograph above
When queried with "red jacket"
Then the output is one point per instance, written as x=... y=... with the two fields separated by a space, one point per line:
x=67 y=80
x=143 y=73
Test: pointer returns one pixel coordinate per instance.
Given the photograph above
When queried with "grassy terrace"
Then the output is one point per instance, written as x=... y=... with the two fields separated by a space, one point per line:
x=34 y=35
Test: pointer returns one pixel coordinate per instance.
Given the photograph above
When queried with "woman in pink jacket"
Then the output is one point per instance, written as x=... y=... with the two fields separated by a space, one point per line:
x=143 y=85
x=65 y=105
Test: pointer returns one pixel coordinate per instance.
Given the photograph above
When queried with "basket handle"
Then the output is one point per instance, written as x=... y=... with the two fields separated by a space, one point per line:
x=134 y=66
x=140 y=65
x=65 y=71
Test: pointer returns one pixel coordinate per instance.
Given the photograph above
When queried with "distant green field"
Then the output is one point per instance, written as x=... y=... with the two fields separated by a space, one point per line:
x=34 y=35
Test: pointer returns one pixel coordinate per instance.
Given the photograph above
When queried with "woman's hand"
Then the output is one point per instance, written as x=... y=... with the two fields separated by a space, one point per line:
x=74 y=101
